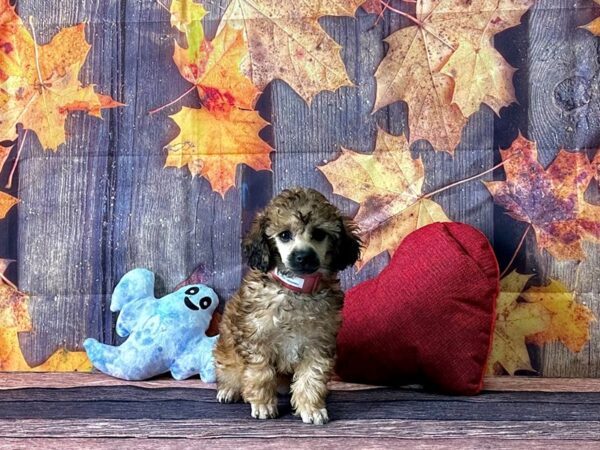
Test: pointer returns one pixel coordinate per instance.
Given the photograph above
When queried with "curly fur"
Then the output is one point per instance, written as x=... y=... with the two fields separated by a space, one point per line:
x=267 y=330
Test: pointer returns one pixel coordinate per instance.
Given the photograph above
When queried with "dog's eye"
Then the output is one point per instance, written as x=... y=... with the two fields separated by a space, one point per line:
x=285 y=236
x=318 y=235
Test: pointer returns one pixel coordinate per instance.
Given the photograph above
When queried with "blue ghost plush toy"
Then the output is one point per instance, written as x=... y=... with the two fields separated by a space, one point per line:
x=166 y=334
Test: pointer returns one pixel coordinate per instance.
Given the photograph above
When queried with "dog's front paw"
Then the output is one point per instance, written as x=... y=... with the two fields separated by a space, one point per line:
x=264 y=410
x=313 y=415
x=228 y=396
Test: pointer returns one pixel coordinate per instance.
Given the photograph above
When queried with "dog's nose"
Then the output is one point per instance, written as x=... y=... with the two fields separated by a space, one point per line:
x=305 y=259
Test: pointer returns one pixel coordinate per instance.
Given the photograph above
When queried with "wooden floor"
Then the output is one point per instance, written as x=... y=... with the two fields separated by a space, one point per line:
x=92 y=411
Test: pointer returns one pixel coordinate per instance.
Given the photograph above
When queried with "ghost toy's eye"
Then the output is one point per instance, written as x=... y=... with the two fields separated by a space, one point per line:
x=205 y=302
x=192 y=291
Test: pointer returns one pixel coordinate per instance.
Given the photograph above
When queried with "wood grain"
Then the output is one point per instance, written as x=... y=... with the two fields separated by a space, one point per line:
x=563 y=67
x=104 y=204
x=66 y=195
x=213 y=428
x=326 y=443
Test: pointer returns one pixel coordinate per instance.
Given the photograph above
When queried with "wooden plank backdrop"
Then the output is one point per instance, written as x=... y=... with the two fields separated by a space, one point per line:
x=104 y=204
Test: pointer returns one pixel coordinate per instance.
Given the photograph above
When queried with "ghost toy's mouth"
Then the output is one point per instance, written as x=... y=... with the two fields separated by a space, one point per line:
x=190 y=304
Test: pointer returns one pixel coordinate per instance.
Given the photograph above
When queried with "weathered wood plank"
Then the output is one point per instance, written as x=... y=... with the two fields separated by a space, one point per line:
x=171 y=404
x=65 y=195
x=214 y=428
x=184 y=443
x=563 y=102
x=10 y=381
x=561 y=403
x=164 y=219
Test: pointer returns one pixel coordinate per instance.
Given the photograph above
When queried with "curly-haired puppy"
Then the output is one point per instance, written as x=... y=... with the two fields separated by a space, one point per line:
x=285 y=317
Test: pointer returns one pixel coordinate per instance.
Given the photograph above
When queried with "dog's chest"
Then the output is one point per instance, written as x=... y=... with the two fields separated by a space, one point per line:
x=293 y=325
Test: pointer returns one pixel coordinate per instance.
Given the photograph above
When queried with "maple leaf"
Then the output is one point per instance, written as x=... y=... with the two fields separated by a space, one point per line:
x=568 y=320
x=14 y=319
x=481 y=75
x=412 y=68
x=16 y=45
x=594 y=26
x=4 y=153
x=45 y=88
x=514 y=322
x=217 y=70
x=213 y=143
x=551 y=200
x=187 y=16
x=7 y=201
x=387 y=184
x=538 y=315
x=285 y=41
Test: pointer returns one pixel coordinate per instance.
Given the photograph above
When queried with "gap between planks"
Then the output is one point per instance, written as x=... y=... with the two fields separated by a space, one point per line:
x=24 y=380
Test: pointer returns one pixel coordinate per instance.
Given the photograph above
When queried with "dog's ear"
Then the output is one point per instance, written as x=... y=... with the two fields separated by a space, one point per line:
x=256 y=248
x=348 y=245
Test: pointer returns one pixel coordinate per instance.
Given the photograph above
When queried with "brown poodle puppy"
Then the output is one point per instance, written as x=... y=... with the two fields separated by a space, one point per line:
x=285 y=317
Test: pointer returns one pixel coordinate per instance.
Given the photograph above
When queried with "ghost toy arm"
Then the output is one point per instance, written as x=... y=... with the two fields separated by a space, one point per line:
x=134 y=314
x=196 y=358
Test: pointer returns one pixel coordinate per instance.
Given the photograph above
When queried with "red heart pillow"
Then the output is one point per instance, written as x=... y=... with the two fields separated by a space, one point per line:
x=428 y=317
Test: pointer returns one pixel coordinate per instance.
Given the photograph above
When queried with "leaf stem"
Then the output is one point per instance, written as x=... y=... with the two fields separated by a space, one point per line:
x=459 y=182
x=14 y=167
x=7 y=281
x=514 y=256
x=174 y=101
x=413 y=19
x=36 y=51
x=163 y=6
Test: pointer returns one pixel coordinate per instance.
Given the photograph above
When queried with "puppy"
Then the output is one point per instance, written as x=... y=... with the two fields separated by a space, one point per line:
x=284 y=319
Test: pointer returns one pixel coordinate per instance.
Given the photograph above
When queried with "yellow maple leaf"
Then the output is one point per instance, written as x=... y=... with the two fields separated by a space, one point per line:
x=213 y=143
x=45 y=88
x=387 y=184
x=217 y=70
x=4 y=153
x=481 y=75
x=16 y=44
x=7 y=201
x=286 y=42
x=412 y=68
x=63 y=360
x=568 y=320
x=514 y=322
x=186 y=16
x=538 y=315
x=14 y=319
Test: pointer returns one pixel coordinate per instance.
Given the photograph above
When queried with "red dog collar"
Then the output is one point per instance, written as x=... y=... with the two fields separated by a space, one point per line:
x=306 y=284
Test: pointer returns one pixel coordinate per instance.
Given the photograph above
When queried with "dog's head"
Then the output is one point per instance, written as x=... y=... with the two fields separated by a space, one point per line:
x=300 y=232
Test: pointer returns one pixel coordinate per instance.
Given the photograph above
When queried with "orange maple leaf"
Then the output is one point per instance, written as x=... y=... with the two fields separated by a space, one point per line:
x=413 y=68
x=7 y=201
x=14 y=319
x=594 y=26
x=213 y=143
x=16 y=45
x=387 y=184
x=40 y=85
x=216 y=70
x=551 y=200
x=538 y=315
x=286 y=42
